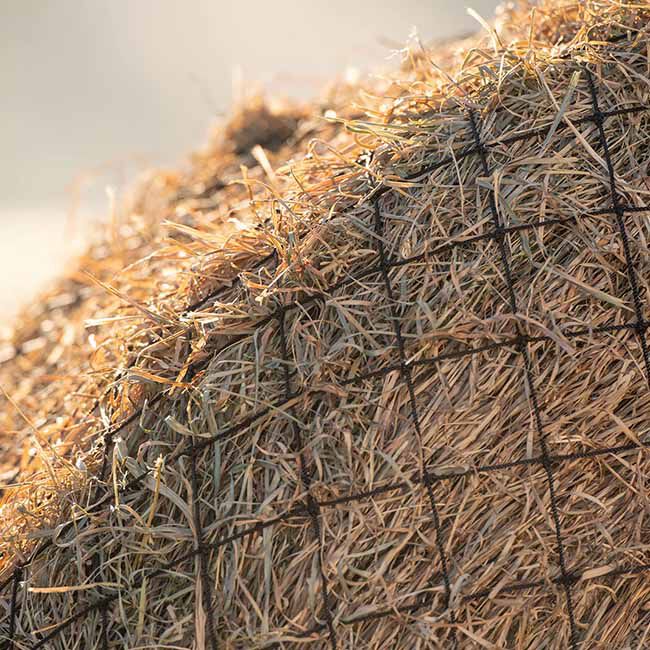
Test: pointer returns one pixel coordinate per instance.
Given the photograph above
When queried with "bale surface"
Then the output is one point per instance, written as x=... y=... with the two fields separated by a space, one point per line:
x=407 y=409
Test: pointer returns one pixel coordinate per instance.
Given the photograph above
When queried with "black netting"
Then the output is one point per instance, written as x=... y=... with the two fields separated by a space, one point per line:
x=432 y=504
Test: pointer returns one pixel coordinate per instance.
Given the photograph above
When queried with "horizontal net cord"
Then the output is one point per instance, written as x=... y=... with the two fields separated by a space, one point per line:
x=520 y=137
x=420 y=258
x=531 y=133
x=300 y=512
x=229 y=432
x=250 y=420
x=528 y=134
x=480 y=595
x=524 y=135
x=421 y=602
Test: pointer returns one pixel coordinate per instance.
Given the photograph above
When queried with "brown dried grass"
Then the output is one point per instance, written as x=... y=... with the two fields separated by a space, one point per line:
x=285 y=449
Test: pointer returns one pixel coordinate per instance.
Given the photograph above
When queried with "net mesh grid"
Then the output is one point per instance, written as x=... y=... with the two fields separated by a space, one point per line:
x=426 y=478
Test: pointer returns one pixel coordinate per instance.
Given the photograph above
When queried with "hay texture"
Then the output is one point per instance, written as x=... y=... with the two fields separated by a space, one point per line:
x=404 y=406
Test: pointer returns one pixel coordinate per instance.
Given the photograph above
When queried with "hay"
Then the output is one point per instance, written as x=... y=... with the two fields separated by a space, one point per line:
x=407 y=409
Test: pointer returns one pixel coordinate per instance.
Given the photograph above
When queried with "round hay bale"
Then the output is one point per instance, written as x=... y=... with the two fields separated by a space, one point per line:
x=407 y=408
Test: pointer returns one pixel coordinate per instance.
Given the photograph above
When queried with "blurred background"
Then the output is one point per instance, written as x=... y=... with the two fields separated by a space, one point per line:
x=94 y=91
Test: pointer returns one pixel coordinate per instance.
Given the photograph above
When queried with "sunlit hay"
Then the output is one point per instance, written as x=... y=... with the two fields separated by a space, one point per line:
x=407 y=408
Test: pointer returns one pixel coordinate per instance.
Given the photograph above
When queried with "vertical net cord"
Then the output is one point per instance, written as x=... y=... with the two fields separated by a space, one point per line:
x=405 y=371
x=567 y=579
x=13 y=612
x=199 y=548
x=206 y=589
x=619 y=211
x=96 y=564
x=104 y=616
x=312 y=505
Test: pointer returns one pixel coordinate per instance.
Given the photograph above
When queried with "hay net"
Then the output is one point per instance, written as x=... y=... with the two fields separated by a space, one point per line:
x=417 y=417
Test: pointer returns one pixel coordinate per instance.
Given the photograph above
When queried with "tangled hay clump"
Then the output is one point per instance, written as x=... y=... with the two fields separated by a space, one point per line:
x=392 y=394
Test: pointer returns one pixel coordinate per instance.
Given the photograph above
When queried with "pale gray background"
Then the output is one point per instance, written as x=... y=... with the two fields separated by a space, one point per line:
x=93 y=90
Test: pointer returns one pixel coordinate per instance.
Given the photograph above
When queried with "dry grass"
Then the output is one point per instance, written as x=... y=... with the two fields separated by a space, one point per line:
x=338 y=444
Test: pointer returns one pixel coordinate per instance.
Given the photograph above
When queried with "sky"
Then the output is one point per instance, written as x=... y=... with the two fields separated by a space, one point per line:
x=94 y=91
